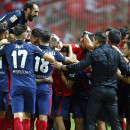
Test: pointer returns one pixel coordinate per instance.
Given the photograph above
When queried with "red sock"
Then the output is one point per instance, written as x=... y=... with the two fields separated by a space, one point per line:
x=1 y=122
x=26 y=124
x=18 y=124
x=8 y=124
x=42 y=125
x=122 y=125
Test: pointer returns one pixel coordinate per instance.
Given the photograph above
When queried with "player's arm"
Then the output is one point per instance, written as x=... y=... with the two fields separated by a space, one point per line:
x=12 y=17
x=125 y=68
x=4 y=42
x=124 y=79
x=49 y=57
x=68 y=83
x=83 y=64
x=124 y=58
x=42 y=54
x=48 y=80
x=88 y=42
x=71 y=58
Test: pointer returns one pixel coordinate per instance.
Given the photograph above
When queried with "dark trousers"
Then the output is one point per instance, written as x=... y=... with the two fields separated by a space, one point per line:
x=102 y=96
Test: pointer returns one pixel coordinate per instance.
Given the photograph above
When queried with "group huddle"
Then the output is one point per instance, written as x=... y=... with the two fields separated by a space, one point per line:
x=41 y=76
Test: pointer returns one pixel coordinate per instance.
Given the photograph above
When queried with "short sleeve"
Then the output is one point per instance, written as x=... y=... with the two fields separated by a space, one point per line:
x=12 y=17
x=38 y=51
x=59 y=57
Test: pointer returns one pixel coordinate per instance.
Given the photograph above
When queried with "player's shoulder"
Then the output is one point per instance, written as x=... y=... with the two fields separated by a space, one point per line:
x=17 y=12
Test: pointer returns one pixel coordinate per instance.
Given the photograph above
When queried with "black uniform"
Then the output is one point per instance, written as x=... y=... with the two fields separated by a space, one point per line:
x=104 y=61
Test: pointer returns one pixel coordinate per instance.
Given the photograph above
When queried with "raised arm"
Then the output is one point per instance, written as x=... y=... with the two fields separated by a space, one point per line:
x=68 y=83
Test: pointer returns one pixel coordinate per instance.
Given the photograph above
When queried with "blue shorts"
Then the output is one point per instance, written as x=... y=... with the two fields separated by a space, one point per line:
x=44 y=101
x=79 y=106
x=3 y=101
x=23 y=99
x=62 y=105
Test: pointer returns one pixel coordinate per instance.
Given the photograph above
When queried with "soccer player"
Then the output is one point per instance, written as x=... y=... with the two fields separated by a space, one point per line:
x=125 y=104
x=30 y=10
x=4 y=84
x=62 y=96
x=28 y=34
x=20 y=57
x=43 y=69
x=81 y=85
x=121 y=93
x=104 y=61
x=35 y=39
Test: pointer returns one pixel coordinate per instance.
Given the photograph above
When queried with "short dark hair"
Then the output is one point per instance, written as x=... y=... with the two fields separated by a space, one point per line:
x=3 y=28
x=29 y=5
x=114 y=36
x=45 y=36
x=19 y=29
x=36 y=32
x=65 y=49
x=123 y=32
x=109 y=29
x=101 y=37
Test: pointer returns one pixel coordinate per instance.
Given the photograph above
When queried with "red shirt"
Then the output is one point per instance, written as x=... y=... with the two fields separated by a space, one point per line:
x=77 y=50
x=58 y=85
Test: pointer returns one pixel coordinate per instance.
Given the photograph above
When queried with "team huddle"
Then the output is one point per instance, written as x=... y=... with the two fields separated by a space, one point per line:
x=40 y=76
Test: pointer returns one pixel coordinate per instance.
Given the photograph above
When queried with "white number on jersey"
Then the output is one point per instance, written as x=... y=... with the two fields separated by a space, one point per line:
x=43 y=66
x=19 y=53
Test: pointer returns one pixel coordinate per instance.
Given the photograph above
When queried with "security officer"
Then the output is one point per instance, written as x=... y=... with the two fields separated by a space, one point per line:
x=104 y=61
x=30 y=10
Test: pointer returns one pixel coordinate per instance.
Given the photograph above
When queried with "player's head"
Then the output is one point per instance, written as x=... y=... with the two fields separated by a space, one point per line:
x=100 y=38
x=54 y=39
x=127 y=37
x=31 y=10
x=28 y=33
x=20 y=32
x=3 y=30
x=35 y=36
x=45 y=37
x=108 y=29
x=65 y=50
x=11 y=38
x=126 y=48
x=82 y=43
x=123 y=32
x=114 y=37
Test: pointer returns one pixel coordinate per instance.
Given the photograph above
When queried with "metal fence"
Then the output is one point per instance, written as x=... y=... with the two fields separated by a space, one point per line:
x=69 y=18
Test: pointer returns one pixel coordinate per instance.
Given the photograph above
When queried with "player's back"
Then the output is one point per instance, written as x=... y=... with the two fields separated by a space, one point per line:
x=20 y=56
x=43 y=68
